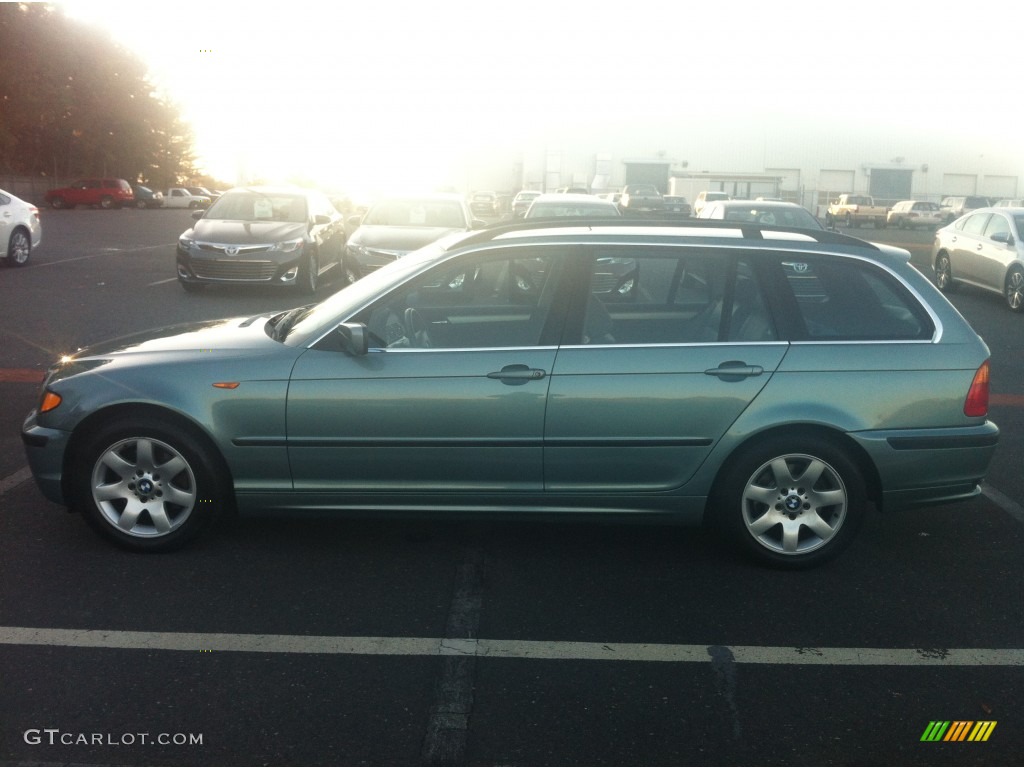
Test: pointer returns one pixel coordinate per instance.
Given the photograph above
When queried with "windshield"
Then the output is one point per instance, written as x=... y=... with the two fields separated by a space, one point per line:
x=784 y=217
x=416 y=213
x=259 y=206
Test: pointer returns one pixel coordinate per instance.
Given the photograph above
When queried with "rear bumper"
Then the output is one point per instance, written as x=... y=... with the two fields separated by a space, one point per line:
x=919 y=467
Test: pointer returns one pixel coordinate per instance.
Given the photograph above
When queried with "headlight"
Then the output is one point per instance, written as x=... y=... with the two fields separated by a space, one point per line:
x=185 y=242
x=288 y=246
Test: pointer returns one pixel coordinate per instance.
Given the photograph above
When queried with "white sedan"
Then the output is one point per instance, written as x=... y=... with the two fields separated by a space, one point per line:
x=20 y=229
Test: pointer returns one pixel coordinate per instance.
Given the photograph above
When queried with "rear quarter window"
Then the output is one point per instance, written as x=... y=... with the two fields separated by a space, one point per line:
x=847 y=300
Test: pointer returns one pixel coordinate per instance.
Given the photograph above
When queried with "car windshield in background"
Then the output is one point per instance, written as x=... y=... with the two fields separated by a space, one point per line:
x=559 y=210
x=253 y=206
x=416 y=213
x=784 y=217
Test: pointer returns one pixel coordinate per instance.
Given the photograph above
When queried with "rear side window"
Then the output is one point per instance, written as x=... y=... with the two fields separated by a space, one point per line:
x=843 y=300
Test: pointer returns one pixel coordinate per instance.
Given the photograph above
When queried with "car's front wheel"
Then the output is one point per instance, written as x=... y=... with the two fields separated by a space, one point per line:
x=147 y=485
x=1015 y=289
x=791 y=502
x=19 y=248
x=943 y=273
x=58 y=203
x=309 y=273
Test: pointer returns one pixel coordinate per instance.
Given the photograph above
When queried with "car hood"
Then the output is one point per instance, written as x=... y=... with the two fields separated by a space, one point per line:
x=246 y=232
x=212 y=337
x=398 y=238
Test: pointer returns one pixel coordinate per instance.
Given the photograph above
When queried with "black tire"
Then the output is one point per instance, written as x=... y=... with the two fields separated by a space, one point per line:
x=147 y=485
x=58 y=203
x=309 y=274
x=850 y=221
x=791 y=502
x=19 y=249
x=944 y=274
x=1013 y=290
x=140 y=204
x=350 y=271
x=107 y=202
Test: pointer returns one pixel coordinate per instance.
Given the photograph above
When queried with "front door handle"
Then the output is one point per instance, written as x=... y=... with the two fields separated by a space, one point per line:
x=734 y=370
x=517 y=374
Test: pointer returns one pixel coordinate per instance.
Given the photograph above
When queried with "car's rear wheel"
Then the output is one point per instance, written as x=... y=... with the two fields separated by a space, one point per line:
x=140 y=204
x=1015 y=289
x=58 y=203
x=19 y=248
x=106 y=202
x=943 y=273
x=791 y=502
x=147 y=485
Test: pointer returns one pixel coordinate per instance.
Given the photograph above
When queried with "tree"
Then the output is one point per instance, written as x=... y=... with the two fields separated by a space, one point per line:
x=73 y=102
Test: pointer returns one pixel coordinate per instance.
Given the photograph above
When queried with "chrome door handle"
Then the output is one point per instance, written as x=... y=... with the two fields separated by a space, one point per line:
x=734 y=370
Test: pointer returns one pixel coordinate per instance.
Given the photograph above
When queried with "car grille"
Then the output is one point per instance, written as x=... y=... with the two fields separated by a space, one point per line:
x=233 y=249
x=234 y=270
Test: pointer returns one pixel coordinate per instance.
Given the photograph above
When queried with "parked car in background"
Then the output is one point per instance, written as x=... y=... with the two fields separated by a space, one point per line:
x=856 y=210
x=676 y=205
x=20 y=230
x=767 y=212
x=986 y=249
x=204 y=192
x=572 y=191
x=259 y=235
x=102 y=193
x=954 y=207
x=908 y=214
x=769 y=387
x=146 y=197
x=484 y=203
x=395 y=226
x=705 y=197
x=1009 y=203
x=613 y=197
x=567 y=204
x=521 y=202
x=641 y=198
x=180 y=197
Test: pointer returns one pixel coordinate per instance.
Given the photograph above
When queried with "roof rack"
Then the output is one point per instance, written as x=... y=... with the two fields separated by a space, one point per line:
x=751 y=231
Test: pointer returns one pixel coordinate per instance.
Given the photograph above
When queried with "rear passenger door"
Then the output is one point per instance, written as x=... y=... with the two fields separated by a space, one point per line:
x=666 y=346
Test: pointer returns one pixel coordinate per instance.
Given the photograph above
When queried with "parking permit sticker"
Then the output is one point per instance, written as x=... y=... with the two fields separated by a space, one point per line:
x=263 y=209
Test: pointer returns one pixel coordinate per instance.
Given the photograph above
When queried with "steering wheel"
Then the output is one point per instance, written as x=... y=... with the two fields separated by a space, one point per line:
x=415 y=328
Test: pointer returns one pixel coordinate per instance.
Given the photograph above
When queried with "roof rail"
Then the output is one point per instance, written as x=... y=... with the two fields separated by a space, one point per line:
x=751 y=231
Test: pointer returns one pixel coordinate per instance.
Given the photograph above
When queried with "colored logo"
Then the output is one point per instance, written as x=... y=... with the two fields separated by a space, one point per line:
x=958 y=730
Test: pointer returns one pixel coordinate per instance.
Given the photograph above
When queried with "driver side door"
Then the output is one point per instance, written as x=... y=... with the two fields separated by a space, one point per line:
x=451 y=397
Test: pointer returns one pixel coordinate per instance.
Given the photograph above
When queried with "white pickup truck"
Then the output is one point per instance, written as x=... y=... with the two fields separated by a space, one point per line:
x=179 y=197
x=854 y=210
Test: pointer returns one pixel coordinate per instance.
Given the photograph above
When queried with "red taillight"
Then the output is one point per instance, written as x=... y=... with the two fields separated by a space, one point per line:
x=977 y=397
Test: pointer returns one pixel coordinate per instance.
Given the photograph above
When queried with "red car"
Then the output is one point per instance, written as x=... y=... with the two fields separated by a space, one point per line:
x=106 y=193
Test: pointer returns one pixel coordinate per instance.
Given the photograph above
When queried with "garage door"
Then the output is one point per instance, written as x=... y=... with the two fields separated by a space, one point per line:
x=959 y=184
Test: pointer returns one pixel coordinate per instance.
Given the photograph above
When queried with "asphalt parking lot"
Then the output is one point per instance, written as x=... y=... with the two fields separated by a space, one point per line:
x=449 y=642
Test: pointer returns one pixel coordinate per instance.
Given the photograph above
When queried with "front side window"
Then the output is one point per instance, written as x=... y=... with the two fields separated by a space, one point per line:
x=975 y=225
x=497 y=300
x=997 y=225
x=843 y=300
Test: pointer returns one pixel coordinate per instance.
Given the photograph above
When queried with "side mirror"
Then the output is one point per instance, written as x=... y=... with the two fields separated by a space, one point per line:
x=354 y=339
x=197 y=215
x=478 y=224
x=1003 y=237
x=354 y=220
x=320 y=219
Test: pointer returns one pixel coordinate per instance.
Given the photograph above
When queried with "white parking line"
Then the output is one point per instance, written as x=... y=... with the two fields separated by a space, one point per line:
x=510 y=649
x=1003 y=501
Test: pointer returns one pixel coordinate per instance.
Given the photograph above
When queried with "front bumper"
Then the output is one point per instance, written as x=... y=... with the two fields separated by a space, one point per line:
x=44 y=449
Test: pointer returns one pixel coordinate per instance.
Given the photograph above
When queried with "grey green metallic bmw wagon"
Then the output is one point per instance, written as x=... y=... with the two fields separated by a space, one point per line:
x=774 y=382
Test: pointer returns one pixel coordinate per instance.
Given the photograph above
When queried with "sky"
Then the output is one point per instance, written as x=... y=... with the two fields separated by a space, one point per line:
x=348 y=94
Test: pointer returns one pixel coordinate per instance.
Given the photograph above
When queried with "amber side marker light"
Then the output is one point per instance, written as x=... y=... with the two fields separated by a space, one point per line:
x=977 y=397
x=226 y=384
x=50 y=401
